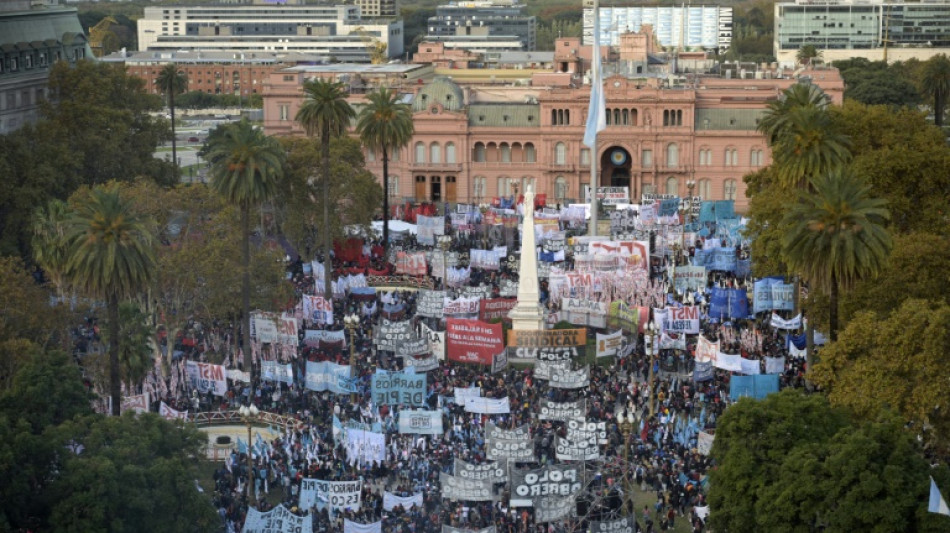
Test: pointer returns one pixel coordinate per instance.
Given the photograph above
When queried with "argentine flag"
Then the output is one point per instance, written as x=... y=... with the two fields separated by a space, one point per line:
x=596 y=113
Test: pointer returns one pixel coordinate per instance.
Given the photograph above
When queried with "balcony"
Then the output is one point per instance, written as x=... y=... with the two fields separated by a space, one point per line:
x=434 y=167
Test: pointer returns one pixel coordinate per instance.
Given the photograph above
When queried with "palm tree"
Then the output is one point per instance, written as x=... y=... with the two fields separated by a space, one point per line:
x=807 y=54
x=111 y=257
x=385 y=125
x=774 y=121
x=810 y=145
x=936 y=81
x=135 y=343
x=325 y=111
x=245 y=168
x=50 y=247
x=836 y=235
x=172 y=81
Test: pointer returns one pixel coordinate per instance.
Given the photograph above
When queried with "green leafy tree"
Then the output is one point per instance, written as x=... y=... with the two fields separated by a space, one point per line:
x=50 y=227
x=893 y=360
x=111 y=257
x=935 y=81
x=135 y=344
x=385 y=125
x=326 y=112
x=246 y=167
x=171 y=82
x=836 y=236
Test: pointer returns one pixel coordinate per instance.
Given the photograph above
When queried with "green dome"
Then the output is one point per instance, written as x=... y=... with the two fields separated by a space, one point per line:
x=439 y=91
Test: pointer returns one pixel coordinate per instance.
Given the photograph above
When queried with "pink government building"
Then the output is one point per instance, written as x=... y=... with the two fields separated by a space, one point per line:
x=481 y=133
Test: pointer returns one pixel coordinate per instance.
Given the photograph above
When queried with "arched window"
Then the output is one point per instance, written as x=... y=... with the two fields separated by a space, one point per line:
x=478 y=187
x=394 y=156
x=755 y=158
x=731 y=157
x=370 y=155
x=608 y=117
x=479 y=152
x=625 y=117
x=435 y=153
x=633 y=117
x=529 y=154
x=420 y=152
x=560 y=154
x=672 y=155
x=394 y=186
x=704 y=189
x=729 y=189
x=617 y=116
x=560 y=189
x=450 y=153
x=567 y=117
x=505 y=152
x=672 y=186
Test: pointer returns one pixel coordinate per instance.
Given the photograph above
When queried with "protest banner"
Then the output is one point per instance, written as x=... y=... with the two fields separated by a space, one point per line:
x=704 y=442
x=554 y=508
x=460 y=307
x=412 y=347
x=607 y=345
x=428 y=227
x=265 y=327
x=774 y=365
x=477 y=292
x=508 y=288
x=461 y=489
x=421 y=364
x=562 y=411
x=450 y=529
x=287 y=330
x=493 y=472
x=730 y=362
x=388 y=333
x=205 y=377
x=355 y=527
x=420 y=422
x=274 y=371
x=398 y=388
x=137 y=403
x=706 y=350
x=484 y=259
x=472 y=341
x=499 y=362
x=587 y=429
x=494 y=308
x=568 y=449
x=327 y=376
x=771 y=294
x=620 y=525
x=430 y=303
x=757 y=387
x=462 y=394
x=571 y=379
x=313 y=337
x=518 y=450
x=390 y=501
x=584 y=312
x=413 y=264
x=778 y=322
x=681 y=320
x=364 y=446
x=168 y=413
x=335 y=495
x=623 y=220
x=277 y=520
x=623 y=317
x=609 y=195
x=487 y=406
x=317 y=309
x=436 y=340
x=689 y=278
x=495 y=432
x=750 y=367
x=545 y=369
x=551 y=480
x=528 y=346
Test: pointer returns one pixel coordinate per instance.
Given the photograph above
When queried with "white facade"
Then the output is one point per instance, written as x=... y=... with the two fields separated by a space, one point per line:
x=706 y=27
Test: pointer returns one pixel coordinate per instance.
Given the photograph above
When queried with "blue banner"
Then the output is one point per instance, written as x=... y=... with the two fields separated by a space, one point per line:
x=757 y=387
x=773 y=294
x=723 y=259
x=717 y=210
x=399 y=388
x=327 y=376
x=703 y=371
x=743 y=268
x=669 y=207
x=728 y=303
x=738 y=303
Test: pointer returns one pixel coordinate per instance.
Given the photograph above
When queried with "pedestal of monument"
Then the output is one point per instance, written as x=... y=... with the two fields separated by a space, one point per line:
x=527 y=313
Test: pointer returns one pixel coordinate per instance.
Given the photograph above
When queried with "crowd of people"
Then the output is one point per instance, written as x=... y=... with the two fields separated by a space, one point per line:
x=650 y=469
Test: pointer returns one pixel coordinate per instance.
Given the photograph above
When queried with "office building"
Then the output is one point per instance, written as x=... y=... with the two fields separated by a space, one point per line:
x=484 y=20
x=33 y=36
x=378 y=8
x=679 y=27
x=872 y=30
x=334 y=31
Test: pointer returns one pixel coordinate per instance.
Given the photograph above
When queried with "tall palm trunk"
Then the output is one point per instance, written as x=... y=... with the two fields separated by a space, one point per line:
x=246 y=289
x=385 y=203
x=833 y=312
x=115 y=386
x=939 y=103
x=171 y=107
x=327 y=263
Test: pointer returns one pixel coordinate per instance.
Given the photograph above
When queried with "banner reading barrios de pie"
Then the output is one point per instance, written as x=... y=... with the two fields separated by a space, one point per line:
x=472 y=341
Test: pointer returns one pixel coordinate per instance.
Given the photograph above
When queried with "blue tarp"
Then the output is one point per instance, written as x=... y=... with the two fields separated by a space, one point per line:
x=757 y=387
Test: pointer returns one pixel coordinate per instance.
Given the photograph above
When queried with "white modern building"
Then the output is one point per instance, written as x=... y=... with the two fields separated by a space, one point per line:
x=684 y=27
x=336 y=31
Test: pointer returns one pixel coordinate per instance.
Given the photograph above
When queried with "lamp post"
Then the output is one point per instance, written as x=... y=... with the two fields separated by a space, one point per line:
x=249 y=416
x=651 y=349
x=626 y=429
x=351 y=322
x=445 y=242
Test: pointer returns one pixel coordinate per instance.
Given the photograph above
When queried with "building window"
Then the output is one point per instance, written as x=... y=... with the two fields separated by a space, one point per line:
x=731 y=157
x=450 y=153
x=585 y=157
x=560 y=189
x=647 y=158
x=672 y=155
x=284 y=112
x=756 y=158
x=504 y=186
x=529 y=154
x=394 y=186
x=435 y=153
x=729 y=189
x=370 y=154
x=394 y=156
x=420 y=152
x=505 y=152
x=705 y=157
x=560 y=154
x=704 y=189
x=478 y=187
x=479 y=153
x=672 y=186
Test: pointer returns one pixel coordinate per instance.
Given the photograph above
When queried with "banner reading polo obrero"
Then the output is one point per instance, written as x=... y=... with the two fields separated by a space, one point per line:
x=562 y=411
x=205 y=377
x=430 y=304
x=528 y=346
x=620 y=525
x=571 y=379
x=552 y=480
x=519 y=450
x=337 y=495
x=137 y=403
x=472 y=341
x=494 y=472
x=461 y=489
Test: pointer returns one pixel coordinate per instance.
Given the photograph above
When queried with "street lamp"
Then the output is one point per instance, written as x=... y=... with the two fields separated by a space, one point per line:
x=351 y=322
x=626 y=428
x=249 y=416
x=651 y=348
x=445 y=242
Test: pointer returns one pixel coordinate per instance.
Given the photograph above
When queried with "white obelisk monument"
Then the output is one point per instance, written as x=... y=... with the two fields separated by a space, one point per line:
x=527 y=313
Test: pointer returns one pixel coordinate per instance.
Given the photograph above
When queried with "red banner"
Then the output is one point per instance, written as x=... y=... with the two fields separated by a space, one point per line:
x=413 y=264
x=472 y=341
x=492 y=308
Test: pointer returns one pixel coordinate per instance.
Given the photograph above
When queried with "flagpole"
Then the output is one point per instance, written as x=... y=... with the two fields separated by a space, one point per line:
x=594 y=154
